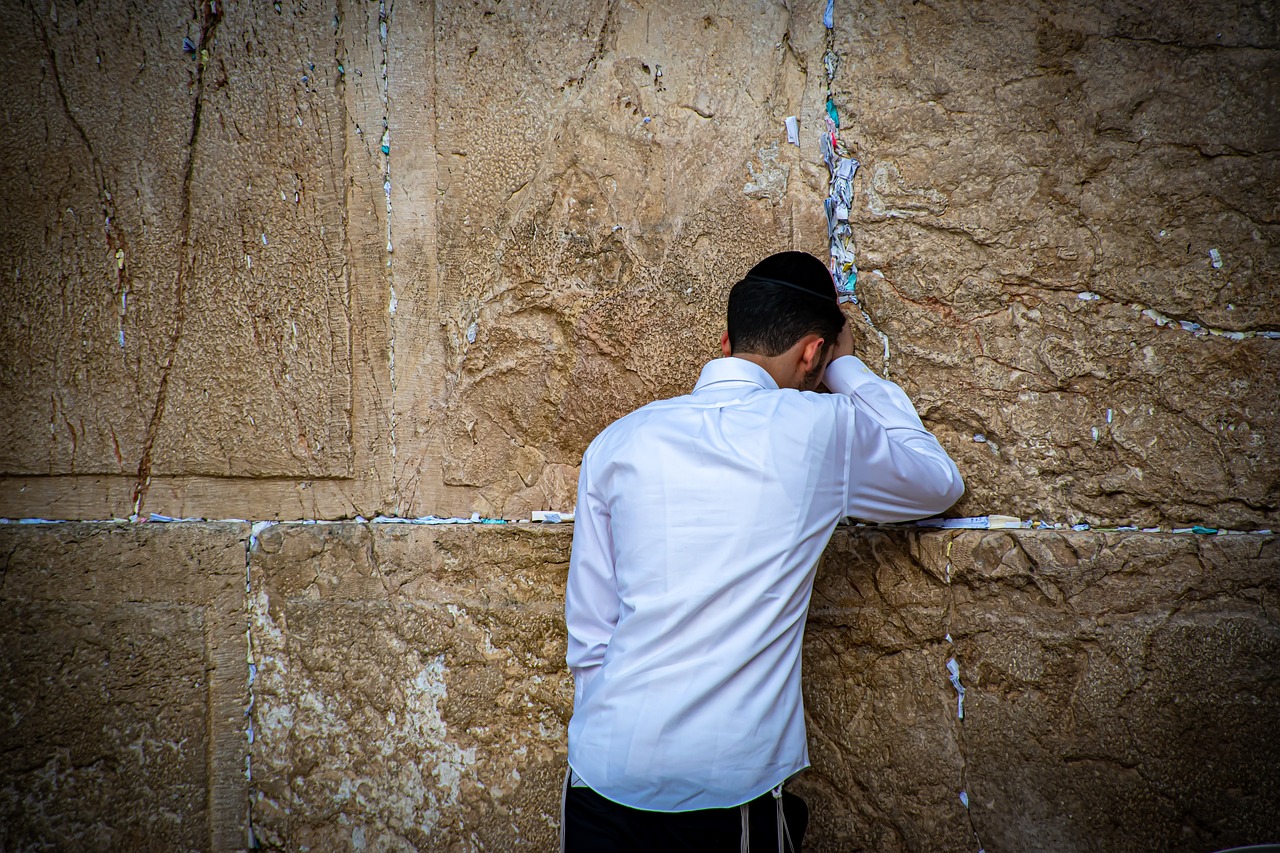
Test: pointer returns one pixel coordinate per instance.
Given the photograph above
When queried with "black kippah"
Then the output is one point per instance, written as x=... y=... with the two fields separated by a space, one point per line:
x=798 y=271
x=826 y=297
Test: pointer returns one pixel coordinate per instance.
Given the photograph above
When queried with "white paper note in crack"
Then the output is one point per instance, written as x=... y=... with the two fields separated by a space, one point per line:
x=954 y=669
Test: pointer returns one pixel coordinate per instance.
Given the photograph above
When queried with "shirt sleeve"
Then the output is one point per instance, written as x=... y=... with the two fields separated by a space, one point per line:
x=591 y=603
x=897 y=469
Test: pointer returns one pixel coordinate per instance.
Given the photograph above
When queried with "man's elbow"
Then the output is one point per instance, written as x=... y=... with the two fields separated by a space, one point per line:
x=937 y=493
x=950 y=489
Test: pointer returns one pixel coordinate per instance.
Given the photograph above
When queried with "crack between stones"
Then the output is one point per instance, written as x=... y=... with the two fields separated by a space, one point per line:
x=384 y=82
x=208 y=28
x=598 y=52
x=958 y=726
x=1189 y=323
x=830 y=61
x=250 y=544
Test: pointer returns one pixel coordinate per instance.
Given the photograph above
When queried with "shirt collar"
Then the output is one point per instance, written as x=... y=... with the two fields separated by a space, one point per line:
x=732 y=369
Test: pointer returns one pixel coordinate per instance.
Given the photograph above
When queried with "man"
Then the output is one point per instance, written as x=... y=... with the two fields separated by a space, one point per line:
x=699 y=525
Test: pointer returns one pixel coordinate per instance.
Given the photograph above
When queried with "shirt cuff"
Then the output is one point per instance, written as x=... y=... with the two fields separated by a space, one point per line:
x=880 y=398
x=847 y=373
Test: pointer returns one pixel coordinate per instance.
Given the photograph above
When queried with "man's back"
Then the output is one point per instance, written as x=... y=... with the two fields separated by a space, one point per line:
x=719 y=504
x=699 y=525
x=699 y=528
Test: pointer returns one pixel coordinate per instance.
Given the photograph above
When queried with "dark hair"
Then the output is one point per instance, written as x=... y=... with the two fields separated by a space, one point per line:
x=779 y=301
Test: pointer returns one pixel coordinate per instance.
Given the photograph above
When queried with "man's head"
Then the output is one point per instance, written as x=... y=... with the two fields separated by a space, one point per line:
x=783 y=300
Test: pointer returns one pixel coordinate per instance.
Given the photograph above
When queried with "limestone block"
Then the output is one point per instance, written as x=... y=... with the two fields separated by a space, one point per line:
x=1016 y=159
x=123 y=686
x=1120 y=689
x=174 y=295
x=606 y=172
x=410 y=689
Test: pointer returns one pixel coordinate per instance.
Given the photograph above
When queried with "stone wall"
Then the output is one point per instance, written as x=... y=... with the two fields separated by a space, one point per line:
x=408 y=689
x=335 y=258
x=327 y=259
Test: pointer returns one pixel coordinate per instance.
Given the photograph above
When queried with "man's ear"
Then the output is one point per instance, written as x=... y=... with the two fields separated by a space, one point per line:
x=810 y=352
x=724 y=344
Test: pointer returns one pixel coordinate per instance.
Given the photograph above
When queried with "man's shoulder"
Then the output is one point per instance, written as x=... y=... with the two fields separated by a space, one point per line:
x=634 y=420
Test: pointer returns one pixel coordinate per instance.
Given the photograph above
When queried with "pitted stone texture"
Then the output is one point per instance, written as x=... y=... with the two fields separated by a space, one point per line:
x=641 y=171
x=174 y=296
x=576 y=185
x=122 y=687
x=1015 y=157
x=77 y=265
x=410 y=689
x=1120 y=689
x=261 y=383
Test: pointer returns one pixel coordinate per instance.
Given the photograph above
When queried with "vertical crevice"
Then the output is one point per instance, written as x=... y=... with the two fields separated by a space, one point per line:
x=953 y=672
x=340 y=59
x=210 y=16
x=384 y=148
x=251 y=544
x=843 y=166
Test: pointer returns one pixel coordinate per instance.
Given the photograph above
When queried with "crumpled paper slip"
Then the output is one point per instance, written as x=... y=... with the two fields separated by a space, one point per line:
x=978 y=522
x=549 y=517
x=793 y=130
x=954 y=669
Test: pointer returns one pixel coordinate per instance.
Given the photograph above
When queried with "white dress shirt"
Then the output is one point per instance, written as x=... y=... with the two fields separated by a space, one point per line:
x=699 y=525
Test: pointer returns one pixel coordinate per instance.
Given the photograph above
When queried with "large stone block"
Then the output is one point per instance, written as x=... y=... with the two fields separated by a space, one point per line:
x=1016 y=159
x=174 y=292
x=584 y=260
x=123 y=687
x=195 y=320
x=409 y=689
x=1120 y=691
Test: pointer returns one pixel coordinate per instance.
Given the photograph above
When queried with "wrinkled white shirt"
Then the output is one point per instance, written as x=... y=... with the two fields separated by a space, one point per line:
x=700 y=521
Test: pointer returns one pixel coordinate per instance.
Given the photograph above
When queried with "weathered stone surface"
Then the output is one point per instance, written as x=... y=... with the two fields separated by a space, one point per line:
x=1121 y=689
x=567 y=192
x=1014 y=158
x=190 y=264
x=640 y=171
x=123 y=686
x=410 y=689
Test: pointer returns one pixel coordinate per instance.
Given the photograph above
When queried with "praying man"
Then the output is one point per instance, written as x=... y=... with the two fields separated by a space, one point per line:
x=699 y=525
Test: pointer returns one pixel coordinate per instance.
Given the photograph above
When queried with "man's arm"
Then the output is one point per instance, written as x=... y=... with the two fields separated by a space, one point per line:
x=591 y=595
x=898 y=470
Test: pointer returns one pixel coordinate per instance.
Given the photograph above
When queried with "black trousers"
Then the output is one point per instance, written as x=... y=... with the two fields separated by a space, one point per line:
x=594 y=824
